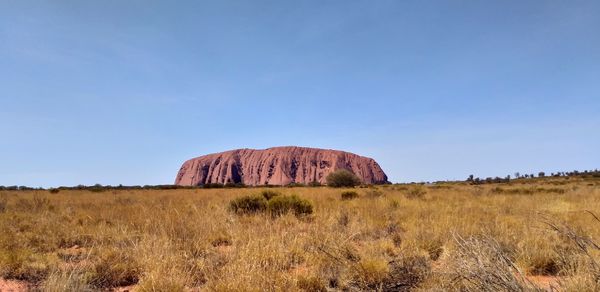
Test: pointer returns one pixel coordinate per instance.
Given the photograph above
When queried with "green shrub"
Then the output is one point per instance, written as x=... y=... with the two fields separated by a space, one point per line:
x=269 y=194
x=250 y=204
x=280 y=205
x=342 y=178
x=349 y=195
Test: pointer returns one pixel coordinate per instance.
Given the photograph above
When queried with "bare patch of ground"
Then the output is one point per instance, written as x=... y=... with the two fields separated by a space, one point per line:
x=548 y=283
x=13 y=286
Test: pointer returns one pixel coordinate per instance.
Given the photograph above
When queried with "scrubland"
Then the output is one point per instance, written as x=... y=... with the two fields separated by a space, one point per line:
x=525 y=235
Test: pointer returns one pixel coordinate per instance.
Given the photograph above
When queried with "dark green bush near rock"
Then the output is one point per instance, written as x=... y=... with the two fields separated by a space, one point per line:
x=248 y=204
x=280 y=205
x=342 y=178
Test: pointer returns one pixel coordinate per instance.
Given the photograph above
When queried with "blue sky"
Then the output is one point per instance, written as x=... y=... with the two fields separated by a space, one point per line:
x=122 y=92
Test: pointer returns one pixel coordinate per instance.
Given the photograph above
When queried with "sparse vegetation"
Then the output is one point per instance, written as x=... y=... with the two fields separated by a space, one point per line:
x=449 y=237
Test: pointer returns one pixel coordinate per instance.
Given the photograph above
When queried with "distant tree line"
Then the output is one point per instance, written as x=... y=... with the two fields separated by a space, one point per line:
x=586 y=174
x=101 y=188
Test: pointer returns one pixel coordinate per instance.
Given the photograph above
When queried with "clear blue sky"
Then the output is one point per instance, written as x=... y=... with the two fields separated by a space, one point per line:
x=122 y=92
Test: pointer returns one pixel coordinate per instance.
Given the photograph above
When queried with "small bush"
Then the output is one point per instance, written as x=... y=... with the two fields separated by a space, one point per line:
x=53 y=191
x=269 y=194
x=349 y=195
x=280 y=205
x=342 y=178
x=248 y=204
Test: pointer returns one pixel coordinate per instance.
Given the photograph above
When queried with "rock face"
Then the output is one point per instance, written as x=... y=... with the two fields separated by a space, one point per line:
x=276 y=166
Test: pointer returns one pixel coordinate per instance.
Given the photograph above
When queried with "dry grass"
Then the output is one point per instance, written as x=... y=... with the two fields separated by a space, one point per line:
x=392 y=238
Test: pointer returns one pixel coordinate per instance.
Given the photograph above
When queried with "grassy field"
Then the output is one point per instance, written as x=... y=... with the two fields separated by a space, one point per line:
x=520 y=236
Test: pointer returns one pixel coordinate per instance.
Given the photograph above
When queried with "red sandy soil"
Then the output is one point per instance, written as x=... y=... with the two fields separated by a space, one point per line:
x=13 y=286
x=548 y=283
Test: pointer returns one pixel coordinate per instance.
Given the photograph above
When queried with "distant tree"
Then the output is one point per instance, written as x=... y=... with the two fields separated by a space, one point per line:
x=342 y=178
x=470 y=178
x=517 y=175
x=541 y=174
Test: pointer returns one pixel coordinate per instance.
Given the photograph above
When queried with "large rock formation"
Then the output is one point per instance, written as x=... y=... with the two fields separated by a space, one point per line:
x=276 y=166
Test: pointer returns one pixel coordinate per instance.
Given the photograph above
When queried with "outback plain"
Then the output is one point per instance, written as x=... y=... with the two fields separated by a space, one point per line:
x=535 y=234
